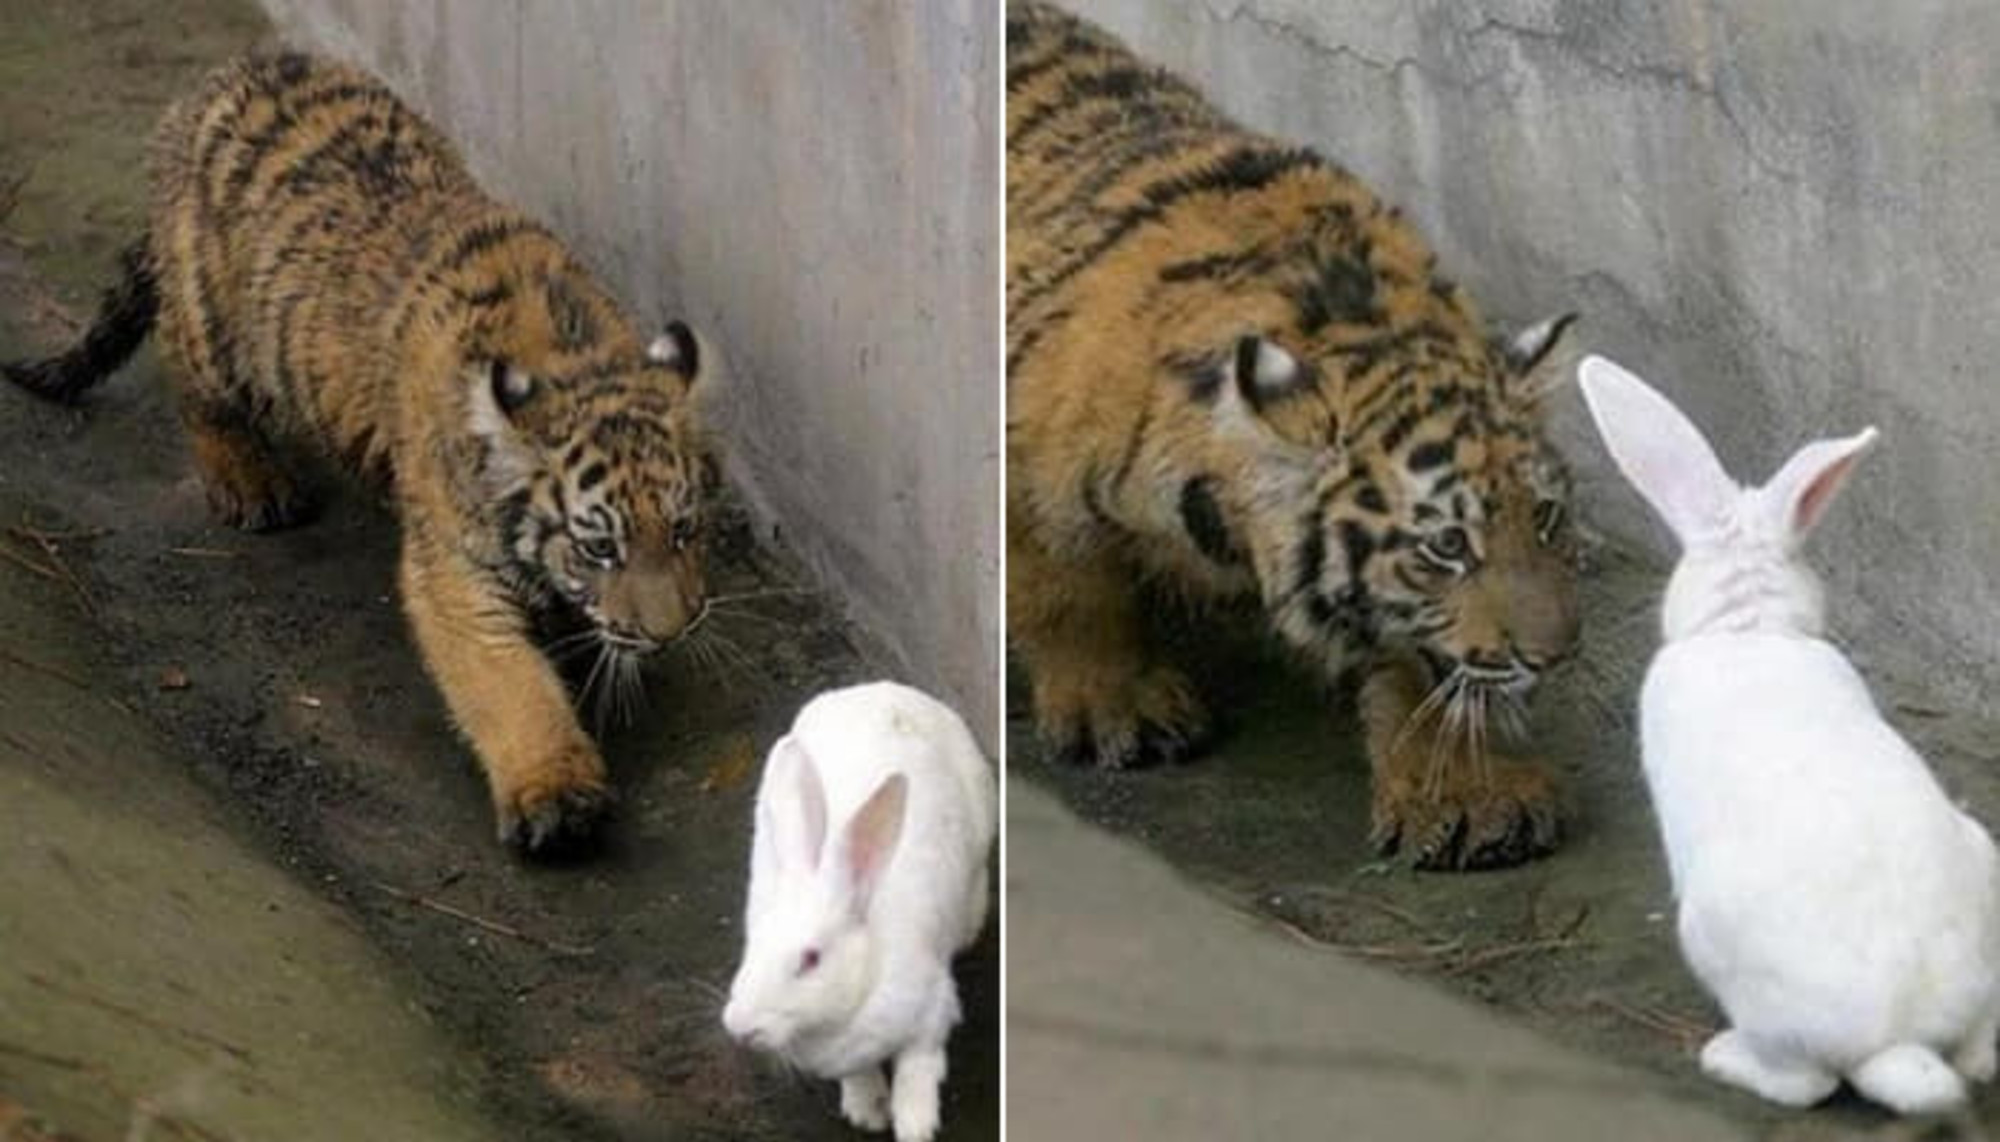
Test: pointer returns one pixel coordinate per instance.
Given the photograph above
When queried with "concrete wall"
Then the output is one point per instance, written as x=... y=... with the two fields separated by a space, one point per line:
x=1787 y=215
x=816 y=183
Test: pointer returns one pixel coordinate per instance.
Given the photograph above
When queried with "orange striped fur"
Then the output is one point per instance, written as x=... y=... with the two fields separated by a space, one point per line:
x=1234 y=372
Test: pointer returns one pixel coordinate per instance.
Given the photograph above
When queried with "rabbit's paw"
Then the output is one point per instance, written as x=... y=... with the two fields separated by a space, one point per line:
x=1909 y=1078
x=1729 y=1058
x=913 y=1100
x=1506 y=816
x=864 y=1100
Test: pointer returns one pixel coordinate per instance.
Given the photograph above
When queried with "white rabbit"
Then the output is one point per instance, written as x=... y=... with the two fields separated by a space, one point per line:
x=850 y=931
x=1841 y=910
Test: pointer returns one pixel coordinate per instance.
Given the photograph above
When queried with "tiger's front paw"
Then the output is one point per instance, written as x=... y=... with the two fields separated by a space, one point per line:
x=557 y=808
x=1505 y=817
x=1153 y=719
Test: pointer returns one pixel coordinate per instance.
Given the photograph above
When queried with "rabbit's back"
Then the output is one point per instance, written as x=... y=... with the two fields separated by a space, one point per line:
x=1824 y=876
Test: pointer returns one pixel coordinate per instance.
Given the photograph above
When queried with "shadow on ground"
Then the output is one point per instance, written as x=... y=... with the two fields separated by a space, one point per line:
x=585 y=997
x=1579 y=946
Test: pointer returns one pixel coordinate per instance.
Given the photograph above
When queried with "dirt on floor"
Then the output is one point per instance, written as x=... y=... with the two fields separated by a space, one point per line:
x=589 y=992
x=1579 y=945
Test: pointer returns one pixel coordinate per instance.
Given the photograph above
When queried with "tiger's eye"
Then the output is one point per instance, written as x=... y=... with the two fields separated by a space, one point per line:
x=599 y=549
x=1450 y=545
x=683 y=535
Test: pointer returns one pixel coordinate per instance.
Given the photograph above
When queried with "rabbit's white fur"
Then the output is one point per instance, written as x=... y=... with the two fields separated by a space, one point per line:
x=875 y=823
x=1838 y=906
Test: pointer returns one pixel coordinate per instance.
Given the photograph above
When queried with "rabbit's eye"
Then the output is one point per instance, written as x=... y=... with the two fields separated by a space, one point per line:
x=808 y=961
x=684 y=533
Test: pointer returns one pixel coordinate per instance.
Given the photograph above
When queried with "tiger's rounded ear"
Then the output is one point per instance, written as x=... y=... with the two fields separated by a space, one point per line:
x=1532 y=358
x=1529 y=349
x=496 y=392
x=1264 y=371
x=511 y=387
x=1253 y=399
x=678 y=348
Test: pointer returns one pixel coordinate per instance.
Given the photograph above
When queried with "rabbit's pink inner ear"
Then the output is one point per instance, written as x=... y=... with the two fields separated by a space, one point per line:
x=1811 y=480
x=871 y=838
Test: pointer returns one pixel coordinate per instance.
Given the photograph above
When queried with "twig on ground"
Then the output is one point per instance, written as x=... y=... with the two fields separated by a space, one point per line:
x=1685 y=1031
x=41 y=534
x=30 y=565
x=10 y=193
x=59 y=1062
x=1446 y=956
x=171 y=1030
x=1499 y=953
x=43 y=668
x=204 y=552
x=693 y=980
x=62 y=675
x=1402 y=916
x=47 y=542
x=1404 y=952
x=480 y=922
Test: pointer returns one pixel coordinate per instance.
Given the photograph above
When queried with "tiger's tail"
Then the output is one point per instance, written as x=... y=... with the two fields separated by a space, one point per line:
x=124 y=318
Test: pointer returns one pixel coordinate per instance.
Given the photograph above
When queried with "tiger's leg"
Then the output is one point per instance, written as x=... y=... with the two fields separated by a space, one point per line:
x=547 y=780
x=1096 y=697
x=247 y=484
x=1433 y=801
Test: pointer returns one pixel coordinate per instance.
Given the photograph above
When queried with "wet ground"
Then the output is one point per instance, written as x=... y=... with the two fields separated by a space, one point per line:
x=1578 y=946
x=587 y=994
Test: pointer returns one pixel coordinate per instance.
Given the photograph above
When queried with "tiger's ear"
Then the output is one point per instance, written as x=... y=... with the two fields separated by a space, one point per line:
x=1262 y=371
x=496 y=393
x=678 y=348
x=1532 y=358
x=1258 y=392
x=497 y=396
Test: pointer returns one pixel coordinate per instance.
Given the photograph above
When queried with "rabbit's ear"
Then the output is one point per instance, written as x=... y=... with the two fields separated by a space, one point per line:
x=1798 y=496
x=799 y=807
x=1660 y=451
x=870 y=840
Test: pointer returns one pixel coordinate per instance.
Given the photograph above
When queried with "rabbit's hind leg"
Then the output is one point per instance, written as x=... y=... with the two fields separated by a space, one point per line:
x=1730 y=1057
x=1909 y=1079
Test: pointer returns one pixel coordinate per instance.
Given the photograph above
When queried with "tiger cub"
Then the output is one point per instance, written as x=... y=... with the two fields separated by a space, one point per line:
x=1234 y=372
x=319 y=266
